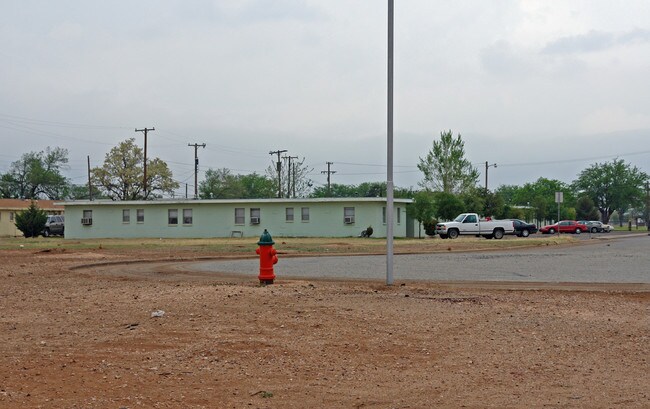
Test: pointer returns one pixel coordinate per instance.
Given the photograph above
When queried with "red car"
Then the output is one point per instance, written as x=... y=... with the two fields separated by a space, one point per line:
x=565 y=226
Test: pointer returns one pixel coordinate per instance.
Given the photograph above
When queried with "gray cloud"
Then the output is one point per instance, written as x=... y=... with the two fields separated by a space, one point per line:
x=594 y=41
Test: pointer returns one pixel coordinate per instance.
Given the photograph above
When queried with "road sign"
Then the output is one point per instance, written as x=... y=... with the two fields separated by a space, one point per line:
x=559 y=197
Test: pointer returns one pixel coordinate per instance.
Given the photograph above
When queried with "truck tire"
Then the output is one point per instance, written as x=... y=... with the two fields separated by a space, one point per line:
x=453 y=234
x=498 y=234
x=46 y=233
x=525 y=233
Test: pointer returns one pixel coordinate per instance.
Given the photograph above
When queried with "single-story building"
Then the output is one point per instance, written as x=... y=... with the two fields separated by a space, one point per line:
x=187 y=218
x=9 y=208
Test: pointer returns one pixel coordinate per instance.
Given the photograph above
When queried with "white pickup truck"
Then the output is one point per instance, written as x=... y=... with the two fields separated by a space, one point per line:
x=471 y=224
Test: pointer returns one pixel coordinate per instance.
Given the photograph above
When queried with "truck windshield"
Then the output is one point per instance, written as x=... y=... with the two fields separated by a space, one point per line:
x=460 y=217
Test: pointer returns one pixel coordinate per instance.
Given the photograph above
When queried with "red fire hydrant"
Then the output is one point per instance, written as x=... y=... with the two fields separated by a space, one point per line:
x=268 y=257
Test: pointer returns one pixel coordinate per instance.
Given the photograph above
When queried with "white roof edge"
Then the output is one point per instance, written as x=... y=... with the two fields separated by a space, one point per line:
x=229 y=201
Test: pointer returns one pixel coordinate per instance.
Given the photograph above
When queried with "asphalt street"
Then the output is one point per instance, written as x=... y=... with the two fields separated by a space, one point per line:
x=616 y=260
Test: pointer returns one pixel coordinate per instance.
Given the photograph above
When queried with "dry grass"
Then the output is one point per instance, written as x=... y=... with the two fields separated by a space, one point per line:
x=284 y=245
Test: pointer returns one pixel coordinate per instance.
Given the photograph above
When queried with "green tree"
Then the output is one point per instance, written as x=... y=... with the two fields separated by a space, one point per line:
x=447 y=205
x=223 y=184
x=335 y=190
x=422 y=208
x=31 y=221
x=220 y=184
x=613 y=186
x=121 y=177
x=541 y=195
x=585 y=209
x=445 y=167
x=36 y=174
x=257 y=186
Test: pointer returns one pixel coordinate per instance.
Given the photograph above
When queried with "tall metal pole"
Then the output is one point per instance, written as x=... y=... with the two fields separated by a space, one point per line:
x=389 y=175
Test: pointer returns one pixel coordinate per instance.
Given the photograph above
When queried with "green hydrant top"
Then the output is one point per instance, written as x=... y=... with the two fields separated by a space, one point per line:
x=266 y=239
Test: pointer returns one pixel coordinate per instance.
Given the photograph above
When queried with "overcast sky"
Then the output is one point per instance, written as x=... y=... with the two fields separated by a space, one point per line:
x=541 y=88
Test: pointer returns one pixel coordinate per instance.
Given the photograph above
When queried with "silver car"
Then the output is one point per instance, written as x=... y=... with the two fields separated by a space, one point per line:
x=54 y=225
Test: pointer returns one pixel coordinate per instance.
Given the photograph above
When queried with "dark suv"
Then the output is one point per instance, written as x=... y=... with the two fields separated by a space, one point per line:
x=54 y=225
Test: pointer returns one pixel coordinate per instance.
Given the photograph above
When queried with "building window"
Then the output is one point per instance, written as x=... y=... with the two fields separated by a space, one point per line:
x=172 y=216
x=240 y=215
x=255 y=216
x=126 y=216
x=11 y=216
x=399 y=215
x=140 y=215
x=383 y=214
x=187 y=216
x=348 y=215
x=288 y=214
x=304 y=214
x=87 y=217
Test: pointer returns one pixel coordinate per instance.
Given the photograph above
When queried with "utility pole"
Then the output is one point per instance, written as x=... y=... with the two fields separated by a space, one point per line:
x=647 y=206
x=90 y=186
x=196 y=167
x=145 y=130
x=329 y=172
x=289 y=174
x=486 y=174
x=279 y=167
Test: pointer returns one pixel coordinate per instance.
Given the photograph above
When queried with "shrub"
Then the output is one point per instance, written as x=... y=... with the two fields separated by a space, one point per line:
x=31 y=221
x=430 y=227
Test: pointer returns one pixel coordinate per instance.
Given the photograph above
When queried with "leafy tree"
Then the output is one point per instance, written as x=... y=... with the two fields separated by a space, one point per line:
x=445 y=168
x=473 y=200
x=585 y=209
x=448 y=205
x=493 y=204
x=295 y=181
x=422 y=209
x=31 y=221
x=222 y=184
x=257 y=186
x=80 y=192
x=122 y=174
x=541 y=195
x=36 y=174
x=335 y=190
x=613 y=186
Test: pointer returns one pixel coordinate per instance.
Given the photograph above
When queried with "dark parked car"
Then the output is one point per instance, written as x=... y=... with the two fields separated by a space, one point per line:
x=54 y=225
x=523 y=229
x=565 y=226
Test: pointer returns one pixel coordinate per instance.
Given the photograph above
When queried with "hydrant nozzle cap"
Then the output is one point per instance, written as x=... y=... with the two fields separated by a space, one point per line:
x=266 y=239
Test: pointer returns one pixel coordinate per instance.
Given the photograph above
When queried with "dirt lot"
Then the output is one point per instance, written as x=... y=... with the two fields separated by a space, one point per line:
x=78 y=338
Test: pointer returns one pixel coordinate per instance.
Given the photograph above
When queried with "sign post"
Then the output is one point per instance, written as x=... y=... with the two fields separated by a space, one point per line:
x=559 y=198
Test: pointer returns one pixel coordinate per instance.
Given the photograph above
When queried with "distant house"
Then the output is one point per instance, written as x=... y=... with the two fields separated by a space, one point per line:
x=331 y=217
x=9 y=208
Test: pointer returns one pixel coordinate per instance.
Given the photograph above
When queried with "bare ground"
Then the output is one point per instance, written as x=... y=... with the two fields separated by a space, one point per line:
x=79 y=338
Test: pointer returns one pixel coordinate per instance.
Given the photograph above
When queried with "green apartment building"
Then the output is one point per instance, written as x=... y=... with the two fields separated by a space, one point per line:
x=187 y=218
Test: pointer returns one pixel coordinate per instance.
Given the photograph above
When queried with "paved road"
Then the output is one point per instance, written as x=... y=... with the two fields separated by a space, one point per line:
x=617 y=260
